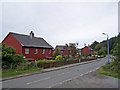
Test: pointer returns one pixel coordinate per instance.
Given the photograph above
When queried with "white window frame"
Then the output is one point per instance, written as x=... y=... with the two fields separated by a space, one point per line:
x=49 y=51
x=26 y=50
x=36 y=51
x=43 y=51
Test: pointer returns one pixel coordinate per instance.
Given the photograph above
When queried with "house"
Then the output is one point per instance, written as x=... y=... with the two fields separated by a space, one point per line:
x=31 y=47
x=86 y=50
x=63 y=49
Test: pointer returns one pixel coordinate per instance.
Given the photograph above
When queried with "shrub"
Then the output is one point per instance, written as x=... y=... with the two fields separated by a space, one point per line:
x=56 y=53
x=59 y=57
x=69 y=59
x=9 y=57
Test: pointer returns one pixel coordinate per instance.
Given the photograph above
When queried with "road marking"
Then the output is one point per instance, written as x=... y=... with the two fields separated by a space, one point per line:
x=81 y=75
x=37 y=81
x=90 y=71
x=86 y=73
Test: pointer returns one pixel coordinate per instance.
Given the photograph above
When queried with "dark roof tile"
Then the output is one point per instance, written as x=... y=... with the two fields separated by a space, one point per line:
x=26 y=41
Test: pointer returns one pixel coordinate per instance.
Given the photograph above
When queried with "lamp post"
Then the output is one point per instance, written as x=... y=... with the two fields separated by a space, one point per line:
x=107 y=44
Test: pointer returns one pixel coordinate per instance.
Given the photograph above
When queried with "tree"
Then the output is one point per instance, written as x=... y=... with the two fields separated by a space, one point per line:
x=9 y=57
x=56 y=53
x=67 y=50
x=98 y=47
x=94 y=44
x=73 y=49
x=104 y=49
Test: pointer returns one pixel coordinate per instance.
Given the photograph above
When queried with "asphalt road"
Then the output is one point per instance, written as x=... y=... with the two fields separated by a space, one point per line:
x=90 y=80
x=53 y=78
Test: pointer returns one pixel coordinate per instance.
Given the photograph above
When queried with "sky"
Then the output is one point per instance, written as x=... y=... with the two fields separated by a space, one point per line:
x=61 y=22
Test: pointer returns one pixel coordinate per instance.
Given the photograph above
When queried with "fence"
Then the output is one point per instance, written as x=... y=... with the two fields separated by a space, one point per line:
x=56 y=64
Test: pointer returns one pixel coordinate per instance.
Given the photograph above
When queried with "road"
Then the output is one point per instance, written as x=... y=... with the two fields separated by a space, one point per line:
x=53 y=78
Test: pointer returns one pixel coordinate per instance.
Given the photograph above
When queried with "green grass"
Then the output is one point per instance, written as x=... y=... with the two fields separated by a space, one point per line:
x=10 y=73
x=45 y=61
x=108 y=73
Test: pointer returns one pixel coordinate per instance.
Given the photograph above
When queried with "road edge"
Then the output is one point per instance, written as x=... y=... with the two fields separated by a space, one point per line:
x=46 y=70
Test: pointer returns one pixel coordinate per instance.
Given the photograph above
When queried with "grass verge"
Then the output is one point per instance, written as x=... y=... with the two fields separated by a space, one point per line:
x=10 y=73
x=108 y=73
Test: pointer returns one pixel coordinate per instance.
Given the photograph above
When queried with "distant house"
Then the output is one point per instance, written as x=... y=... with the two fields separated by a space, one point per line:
x=63 y=50
x=28 y=45
x=86 y=50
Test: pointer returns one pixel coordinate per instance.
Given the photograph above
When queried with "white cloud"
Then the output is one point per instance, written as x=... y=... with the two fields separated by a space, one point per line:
x=61 y=23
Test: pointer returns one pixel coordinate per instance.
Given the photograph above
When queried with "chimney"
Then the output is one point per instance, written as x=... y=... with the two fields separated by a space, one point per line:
x=31 y=35
x=84 y=44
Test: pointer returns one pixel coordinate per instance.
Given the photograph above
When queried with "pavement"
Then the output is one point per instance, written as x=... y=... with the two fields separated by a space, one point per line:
x=46 y=70
x=54 y=77
x=90 y=80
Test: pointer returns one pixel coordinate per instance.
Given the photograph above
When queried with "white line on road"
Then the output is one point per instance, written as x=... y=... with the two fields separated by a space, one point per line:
x=37 y=81
x=86 y=73
x=81 y=75
x=90 y=71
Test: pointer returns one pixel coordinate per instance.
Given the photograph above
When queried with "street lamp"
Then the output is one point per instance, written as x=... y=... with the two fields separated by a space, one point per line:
x=107 y=44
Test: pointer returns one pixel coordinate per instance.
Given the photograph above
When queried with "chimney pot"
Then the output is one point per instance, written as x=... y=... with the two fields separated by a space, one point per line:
x=31 y=35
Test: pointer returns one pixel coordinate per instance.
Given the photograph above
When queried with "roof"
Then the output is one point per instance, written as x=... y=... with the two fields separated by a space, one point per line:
x=62 y=47
x=88 y=48
x=26 y=41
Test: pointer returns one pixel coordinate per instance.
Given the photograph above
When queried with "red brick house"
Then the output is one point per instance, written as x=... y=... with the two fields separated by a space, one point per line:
x=63 y=50
x=28 y=45
x=86 y=50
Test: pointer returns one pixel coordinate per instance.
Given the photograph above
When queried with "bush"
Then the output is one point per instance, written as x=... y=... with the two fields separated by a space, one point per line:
x=112 y=67
x=59 y=57
x=91 y=58
x=9 y=57
x=69 y=59
x=56 y=53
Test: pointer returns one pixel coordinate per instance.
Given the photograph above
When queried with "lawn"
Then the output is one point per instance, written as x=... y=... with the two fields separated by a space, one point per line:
x=14 y=72
x=45 y=61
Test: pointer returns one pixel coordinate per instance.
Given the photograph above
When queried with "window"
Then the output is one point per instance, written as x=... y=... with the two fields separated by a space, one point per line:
x=49 y=51
x=36 y=51
x=43 y=51
x=61 y=51
x=26 y=51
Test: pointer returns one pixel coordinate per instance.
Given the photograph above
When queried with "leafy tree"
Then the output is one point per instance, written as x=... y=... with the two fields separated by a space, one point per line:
x=10 y=58
x=67 y=50
x=93 y=45
x=100 y=52
x=56 y=53
x=104 y=49
x=73 y=49
x=98 y=47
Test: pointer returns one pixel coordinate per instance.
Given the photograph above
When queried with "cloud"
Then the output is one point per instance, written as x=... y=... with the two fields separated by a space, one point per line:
x=61 y=23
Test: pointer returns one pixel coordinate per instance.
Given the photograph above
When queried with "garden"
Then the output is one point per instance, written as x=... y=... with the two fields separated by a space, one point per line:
x=13 y=63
